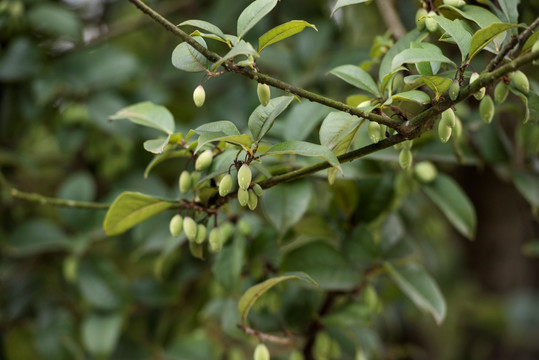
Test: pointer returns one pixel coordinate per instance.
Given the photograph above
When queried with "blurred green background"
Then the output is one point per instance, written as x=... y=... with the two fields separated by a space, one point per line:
x=69 y=292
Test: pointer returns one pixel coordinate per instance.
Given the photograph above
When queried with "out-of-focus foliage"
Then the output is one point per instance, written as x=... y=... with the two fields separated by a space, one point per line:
x=70 y=292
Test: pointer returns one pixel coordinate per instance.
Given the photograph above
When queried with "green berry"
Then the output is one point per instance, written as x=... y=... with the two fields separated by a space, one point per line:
x=425 y=171
x=185 y=182
x=420 y=16
x=176 y=225
x=253 y=200
x=481 y=93
x=215 y=240
x=195 y=176
x=520 y=82
x=261 y=352
x=197 y=250
x=486 y=109
x=244 y=177
x=201 y=234
x=500 y=92
x=457 y=129
x=455 y=3
x=199 y=95
x=448 y=118
x=244 y=227
x=264 y=93
x=257 y=189
x=225 y=185
x=444 y=132
x=374 y=132
x=243 y=196
x=454 y=90
x=190 y=228
x=405 y=158
x=204 y=160
x=430 y=23
x=227 y=230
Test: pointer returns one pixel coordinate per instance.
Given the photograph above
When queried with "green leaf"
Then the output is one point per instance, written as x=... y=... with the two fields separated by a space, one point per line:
x=36 y=236
x=204 y=25
x=531 y=40
x=242 y=48
x=100 y=333
x=254 y=292
x=415 y=282
x=342 y=3
x=454 y=203
x=55 y=20
x=528 y=186
x=484 y=36
x=228 y=264
x=147 y=114
x=302 y=119
x=417 y=96
x=242 y=140
x=156 y=146
x=438 y=84
x=510 y=9
x=458 y=32
x=225 y=126
x=402 y=44
x=414 y=56
x=261 y=120
x=305 y=149
x=327 y=266
x=130 y=209
x=186 y=58
x=335 y=127
x=284 y=205
x=281 y=32
x=252 y=14
x=357 y=77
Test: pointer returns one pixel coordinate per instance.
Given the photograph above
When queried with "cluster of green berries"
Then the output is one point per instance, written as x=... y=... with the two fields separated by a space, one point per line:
x=197 y=234
x=248 y=192
x=188 y=180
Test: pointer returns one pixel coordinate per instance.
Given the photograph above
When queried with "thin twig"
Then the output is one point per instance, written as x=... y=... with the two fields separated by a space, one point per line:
x=267 y=337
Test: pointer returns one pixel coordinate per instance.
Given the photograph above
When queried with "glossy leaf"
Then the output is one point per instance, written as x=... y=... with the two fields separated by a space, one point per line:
x=242 y=140
x=341 y=3
x=305 y=149
x=437 y=84
x=357 y=77
x=419 y=286
x=454 y=203
x=254 y=292
x=156 y=146
x=335 y=127
x=261 y=120
x=414 y=56
x=457 y=31
x=484 y=36
x=252 y=14
x=225 y=126
x=528 y=185
x=147 y=114
x=531 y=40
x=402 y=44
x=417 y=96
x=204 y=25
x=242 y=48
x=130 y=209
x=100 y=333
x=284 y=205
x=186 y=58
x=282 y=32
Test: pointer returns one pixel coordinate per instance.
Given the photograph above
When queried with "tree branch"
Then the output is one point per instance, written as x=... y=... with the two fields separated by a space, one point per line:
x=391 y=18
x=267 y=337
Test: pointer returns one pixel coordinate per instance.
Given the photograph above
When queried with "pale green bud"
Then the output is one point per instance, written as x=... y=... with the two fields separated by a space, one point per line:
x=176 y=225
x=204 y=160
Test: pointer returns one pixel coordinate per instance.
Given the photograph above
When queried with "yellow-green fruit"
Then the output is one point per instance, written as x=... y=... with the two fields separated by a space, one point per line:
x=225 y=185
x=478 y=95
x=70 y=268
x=227 y=230
x=195 y=176
x=244 y=227
x=176 y=224
x=257 y=189
x=296 y=355
x=425 y=171
x=454 y=89
x=190 y=228
x=455 y=3
x=215 y=241
x=197 y=250
x=201 y=234
x=444 y=132
x=253 y=200
x=199 y=95
x=457 y=129
x=370 y=297
x=520 y=82
x=430 y=23
x=486 y=109
x=244 y=177
x=185 y=182
x=264 y=93
x=405 y=158
x=374 y=132
x=243 y=196
x=420 y=19
x=448 y=118
x=407 y=144
x=261 y=352
x=500 y=92
x=204 y=160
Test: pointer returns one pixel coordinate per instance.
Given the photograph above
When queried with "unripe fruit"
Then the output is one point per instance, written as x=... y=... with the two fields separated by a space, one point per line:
x=195 y=176
x=520 y=82
x=253 y=200
x=190 y=228
x=448 y=118
x=215 y=241
x=455 y=3
x=244 y=227
x=264 y=93
x=257 y=189
x=201 y=234
x=444 y=132
x=227 y=230
x=261 y=352
x=405 y=159
x=500 y=92
x=176 y=224
x=407 y=144
x=243 y=197
x=244 y=177
x=430 y=23
x=486 y=109
x=185 y=182
x=457 y=129
x=197 y=250
x=478 y=95
x=225 y=185
x=454 y=90
x=420 y=19
x=199 y=95
x=374 y=131
x=204 y=160
x=296 y=355
x=425 y=171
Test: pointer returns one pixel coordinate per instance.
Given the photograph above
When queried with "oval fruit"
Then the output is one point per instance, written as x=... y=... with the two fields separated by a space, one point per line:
x=455 y=3
x=244 y=177
x=244 y=227
x=420 y=19
x=261 y=352
x=520 y=82
x=425 y=171
x=185 y=182
x=374 y=131
x=478 y=95
x=257 y=189
x=243 y=196
x=190 y=228
x=204 y=160
x=214 y=241
x=201 y=234
x=448 y=118
x=405 y=158
x=500 y=92
x=176 y=224
x=430 y=23
x=199 y=95
x=454 y=89
x=225 y=185
x=486 y=109
x=252 y=202
x=444 y=132
x=264 y=93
